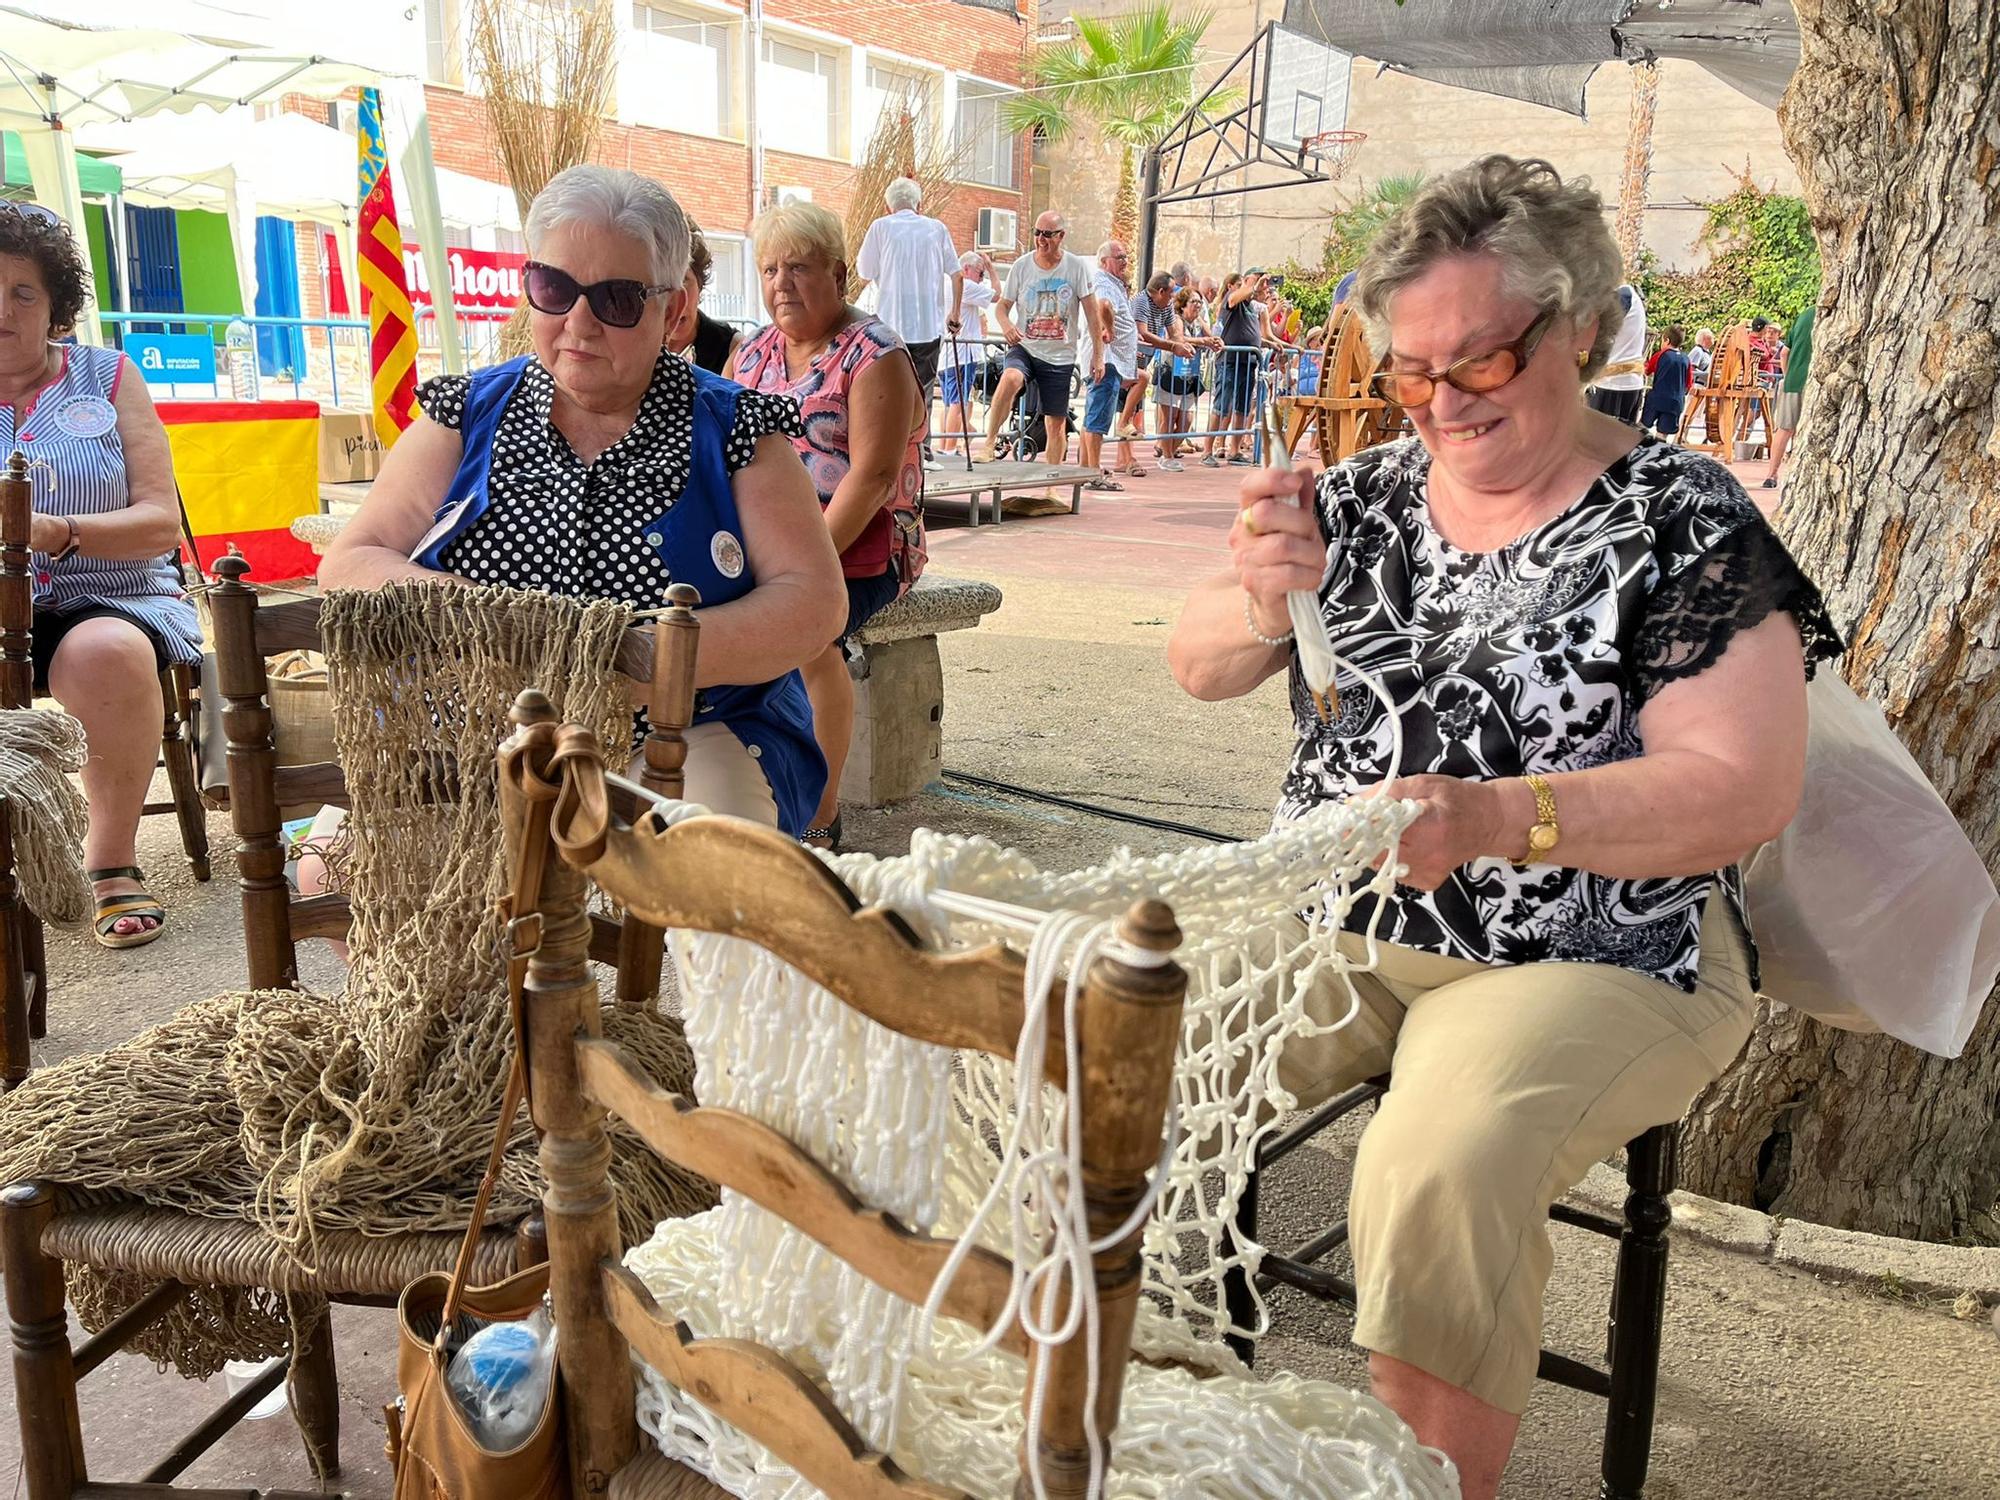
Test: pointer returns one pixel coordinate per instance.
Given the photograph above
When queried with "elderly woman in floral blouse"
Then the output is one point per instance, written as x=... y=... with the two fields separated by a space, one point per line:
x=1598 y=652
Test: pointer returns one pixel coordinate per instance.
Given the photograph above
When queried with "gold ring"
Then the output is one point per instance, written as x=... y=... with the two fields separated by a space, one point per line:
x=1248 y=524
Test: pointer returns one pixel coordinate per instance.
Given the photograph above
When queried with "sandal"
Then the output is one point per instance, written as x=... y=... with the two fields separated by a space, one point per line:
x=111 y=910
x=1103 y=481
x=1133 y=471
x=831 y=833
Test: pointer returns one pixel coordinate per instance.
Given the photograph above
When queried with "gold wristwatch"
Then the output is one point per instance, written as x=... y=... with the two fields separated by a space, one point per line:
x=1546 y=832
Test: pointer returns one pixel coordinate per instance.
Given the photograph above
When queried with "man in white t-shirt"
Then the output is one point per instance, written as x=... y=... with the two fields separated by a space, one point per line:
x=1118 y=336
x=913 y=265
x=1052 y=293
x=1620 y=388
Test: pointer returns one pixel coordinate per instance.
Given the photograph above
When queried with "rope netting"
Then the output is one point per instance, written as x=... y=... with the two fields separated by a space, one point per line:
x=926 y=1134
x=46 y=813
x=373 y=1109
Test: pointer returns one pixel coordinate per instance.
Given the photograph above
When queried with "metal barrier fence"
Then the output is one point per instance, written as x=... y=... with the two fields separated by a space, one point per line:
x=1198 y=379
x=331 y=351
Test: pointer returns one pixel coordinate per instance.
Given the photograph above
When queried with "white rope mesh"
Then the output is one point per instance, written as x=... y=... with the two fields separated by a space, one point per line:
x=918 y=1130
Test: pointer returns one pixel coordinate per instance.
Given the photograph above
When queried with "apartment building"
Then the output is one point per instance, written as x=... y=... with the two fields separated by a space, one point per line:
x=689 y=108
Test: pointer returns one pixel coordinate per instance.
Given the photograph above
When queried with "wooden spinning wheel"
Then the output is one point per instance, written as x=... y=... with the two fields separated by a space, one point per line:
x=1732 y=397
x=1346 y=416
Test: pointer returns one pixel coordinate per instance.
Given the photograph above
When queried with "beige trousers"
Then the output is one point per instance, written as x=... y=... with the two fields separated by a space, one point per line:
x=1508 y=1083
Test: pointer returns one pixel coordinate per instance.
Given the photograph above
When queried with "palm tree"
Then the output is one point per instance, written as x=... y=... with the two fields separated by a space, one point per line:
x=1354 y=228
x=1131 y=77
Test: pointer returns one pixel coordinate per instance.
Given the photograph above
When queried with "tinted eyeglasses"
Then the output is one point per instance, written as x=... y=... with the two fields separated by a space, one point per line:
x=1476 y=374
x=617 y=303
x=34 y=212
x=1050 y=234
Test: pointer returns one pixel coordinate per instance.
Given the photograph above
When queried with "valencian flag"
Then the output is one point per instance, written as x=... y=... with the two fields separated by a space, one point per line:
x=385 y=294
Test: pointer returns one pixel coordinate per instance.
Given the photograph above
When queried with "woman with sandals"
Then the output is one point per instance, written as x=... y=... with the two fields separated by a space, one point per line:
x=1597 y=651
x=110 y=612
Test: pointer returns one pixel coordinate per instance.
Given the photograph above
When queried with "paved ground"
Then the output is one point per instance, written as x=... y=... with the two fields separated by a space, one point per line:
x=1774 y=1386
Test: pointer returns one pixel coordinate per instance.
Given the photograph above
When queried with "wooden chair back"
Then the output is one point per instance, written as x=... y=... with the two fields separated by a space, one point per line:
x=722 y=875
x=17 y=587
x=249 y=630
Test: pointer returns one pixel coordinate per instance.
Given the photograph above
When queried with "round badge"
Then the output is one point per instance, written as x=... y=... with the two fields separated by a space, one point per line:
x=86 y=417
x=728 y=554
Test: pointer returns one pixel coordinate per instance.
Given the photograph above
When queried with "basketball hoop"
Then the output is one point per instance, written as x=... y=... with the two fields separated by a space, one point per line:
x=1332 y=150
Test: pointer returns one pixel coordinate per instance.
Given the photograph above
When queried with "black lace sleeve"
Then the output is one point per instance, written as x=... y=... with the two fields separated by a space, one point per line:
x=1732 y=585
x=442 y=398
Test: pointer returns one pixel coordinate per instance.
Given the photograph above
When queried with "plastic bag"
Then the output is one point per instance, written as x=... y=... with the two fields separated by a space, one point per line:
x=1872 y=911
x=500 y=1378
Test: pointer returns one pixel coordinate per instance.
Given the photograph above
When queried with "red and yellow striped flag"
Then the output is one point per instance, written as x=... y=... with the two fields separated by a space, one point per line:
x=385 y=293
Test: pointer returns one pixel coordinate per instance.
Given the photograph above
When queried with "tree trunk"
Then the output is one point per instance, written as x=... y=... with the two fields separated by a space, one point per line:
x=1125 y=207
x=1894 y=122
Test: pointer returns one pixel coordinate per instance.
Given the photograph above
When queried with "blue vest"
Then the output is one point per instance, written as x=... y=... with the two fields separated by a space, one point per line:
x=772 y=719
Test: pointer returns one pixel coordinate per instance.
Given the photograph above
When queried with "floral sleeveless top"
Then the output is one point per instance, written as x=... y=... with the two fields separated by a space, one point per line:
x=894 y=538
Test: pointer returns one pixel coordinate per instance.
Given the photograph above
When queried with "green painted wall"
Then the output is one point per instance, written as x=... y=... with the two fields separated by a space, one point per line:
x=208 y=266
x=97 y=222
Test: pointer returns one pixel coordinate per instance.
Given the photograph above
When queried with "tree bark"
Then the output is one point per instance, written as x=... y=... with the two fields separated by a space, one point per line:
x=1630 y=228
x=1125 y=206
x=1894 y=122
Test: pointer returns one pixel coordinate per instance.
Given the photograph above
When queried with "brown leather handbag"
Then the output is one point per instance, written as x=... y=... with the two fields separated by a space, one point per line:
x=432 y=1447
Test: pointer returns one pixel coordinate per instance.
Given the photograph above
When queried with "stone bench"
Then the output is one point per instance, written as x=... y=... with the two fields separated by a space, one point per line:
x=898 y=742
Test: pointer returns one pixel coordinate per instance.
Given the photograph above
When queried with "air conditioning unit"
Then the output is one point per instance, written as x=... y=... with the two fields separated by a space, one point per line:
x=997 y=229
x=785 y=197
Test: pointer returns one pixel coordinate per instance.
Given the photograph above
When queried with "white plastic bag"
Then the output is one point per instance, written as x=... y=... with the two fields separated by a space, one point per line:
x=1872 y=911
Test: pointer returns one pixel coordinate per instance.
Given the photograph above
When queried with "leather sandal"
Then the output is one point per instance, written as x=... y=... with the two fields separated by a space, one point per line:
x=111 y=910
x=831 y=833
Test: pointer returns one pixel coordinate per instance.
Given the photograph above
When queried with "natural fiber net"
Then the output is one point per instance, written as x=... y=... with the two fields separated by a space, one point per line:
x=373 y=1109
x=46 y=813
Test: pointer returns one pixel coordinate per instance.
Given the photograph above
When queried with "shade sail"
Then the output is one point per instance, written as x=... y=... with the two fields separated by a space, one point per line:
x=1545 y=51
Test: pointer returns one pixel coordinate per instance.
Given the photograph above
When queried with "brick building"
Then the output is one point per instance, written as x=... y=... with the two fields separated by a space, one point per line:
x=684 y=95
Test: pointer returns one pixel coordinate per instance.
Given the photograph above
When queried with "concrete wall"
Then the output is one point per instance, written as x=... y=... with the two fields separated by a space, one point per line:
x=1704 y=134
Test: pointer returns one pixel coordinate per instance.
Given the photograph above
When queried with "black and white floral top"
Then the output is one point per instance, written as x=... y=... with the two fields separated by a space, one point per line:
x=1536 y=657
x=572 y=528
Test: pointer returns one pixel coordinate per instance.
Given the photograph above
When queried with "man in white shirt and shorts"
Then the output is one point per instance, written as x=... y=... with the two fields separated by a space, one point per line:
x=1051 y=290
x=919 y=285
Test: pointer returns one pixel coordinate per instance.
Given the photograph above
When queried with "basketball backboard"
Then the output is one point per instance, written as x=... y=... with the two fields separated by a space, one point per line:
x=1305 y=89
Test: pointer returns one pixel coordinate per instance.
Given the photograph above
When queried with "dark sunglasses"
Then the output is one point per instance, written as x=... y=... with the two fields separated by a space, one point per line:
x=1050 y=234
x=35 y=212
x=1476 y=374
x=617 y=303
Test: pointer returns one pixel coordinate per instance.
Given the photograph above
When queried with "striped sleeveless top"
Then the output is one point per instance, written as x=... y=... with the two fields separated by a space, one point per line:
x=77 y=468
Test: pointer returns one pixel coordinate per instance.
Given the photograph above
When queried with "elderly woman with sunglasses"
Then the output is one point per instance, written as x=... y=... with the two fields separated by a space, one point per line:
x=604 y=466
x=1598 y=654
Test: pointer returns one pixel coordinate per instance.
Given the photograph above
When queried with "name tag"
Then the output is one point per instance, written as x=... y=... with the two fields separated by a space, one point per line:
x=447 y=521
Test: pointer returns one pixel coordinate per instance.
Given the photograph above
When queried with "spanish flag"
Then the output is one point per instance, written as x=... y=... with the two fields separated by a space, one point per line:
x=385 y=295
x=247 y=470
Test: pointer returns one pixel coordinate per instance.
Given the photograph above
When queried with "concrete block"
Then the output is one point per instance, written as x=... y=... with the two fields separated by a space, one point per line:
x=898 y=745
x=1931 y=1270
x=1726 y=1226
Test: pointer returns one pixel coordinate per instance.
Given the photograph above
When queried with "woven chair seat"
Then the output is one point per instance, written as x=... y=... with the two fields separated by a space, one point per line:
x=653 y=1476
x=165 y=1244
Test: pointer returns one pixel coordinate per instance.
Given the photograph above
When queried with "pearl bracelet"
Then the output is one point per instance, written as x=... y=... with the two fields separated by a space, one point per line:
x=1250 y=620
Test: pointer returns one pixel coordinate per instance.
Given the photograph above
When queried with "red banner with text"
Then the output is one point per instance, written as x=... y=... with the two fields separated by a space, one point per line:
x=484 y=283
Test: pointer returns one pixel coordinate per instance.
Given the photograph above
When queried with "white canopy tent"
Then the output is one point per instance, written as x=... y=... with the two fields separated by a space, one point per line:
x=67 y=65
x=235 y=164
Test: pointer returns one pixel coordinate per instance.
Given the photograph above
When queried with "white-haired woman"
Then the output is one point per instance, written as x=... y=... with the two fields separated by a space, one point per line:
x=858 y=399
x=603 y=466
x=959 y=379
x=1598 y=652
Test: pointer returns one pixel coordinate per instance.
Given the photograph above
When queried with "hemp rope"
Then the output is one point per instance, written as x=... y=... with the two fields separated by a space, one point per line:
x=372 y=1110
x=39 y=748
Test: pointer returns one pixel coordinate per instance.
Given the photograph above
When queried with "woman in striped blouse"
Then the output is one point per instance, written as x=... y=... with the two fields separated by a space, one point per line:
x=110 y=614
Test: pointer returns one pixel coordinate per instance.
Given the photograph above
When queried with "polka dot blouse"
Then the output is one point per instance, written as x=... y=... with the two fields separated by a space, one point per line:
x=557 y=523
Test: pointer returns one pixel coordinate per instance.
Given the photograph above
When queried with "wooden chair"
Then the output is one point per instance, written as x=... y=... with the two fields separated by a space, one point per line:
x=1630 y=1380
x=725 y=876
x=23 y=965
x=1346 y=415
x=41 y=1228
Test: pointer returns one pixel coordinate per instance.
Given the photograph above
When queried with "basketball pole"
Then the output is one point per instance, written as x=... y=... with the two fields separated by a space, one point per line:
x=1149 y=211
